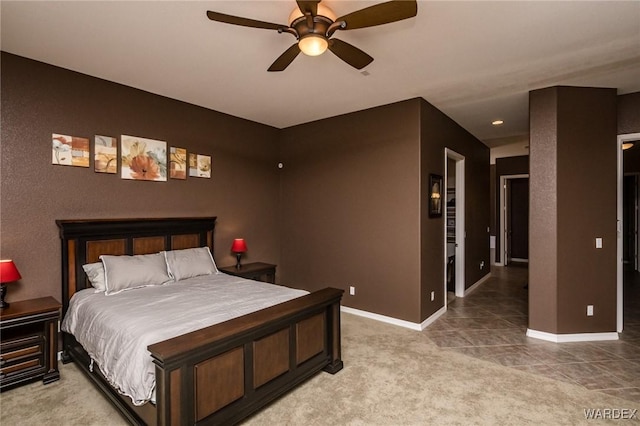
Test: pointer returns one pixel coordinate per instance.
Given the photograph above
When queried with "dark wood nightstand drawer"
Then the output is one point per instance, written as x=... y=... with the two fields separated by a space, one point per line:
x=18 y=349
x=21 y=356
x=28 y=367
x=28 y=350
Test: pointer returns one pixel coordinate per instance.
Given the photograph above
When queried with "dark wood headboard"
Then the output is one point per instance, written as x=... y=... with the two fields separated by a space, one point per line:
x=83 y=241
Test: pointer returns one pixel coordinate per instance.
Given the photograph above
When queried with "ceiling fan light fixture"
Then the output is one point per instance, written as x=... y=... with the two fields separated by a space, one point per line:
x=313 y=44
x=313 y=25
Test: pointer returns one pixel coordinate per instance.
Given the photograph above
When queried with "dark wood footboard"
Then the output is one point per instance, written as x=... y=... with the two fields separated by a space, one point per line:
x=224 y=373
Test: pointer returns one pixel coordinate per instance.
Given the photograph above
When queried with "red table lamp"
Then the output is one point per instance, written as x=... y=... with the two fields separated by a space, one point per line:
x=238 y=247
x=8 y=274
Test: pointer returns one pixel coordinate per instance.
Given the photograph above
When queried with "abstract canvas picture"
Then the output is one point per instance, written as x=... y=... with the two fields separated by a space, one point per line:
x=143 y=159
x=177 y=163
x=69 y=150
x=199 y=165
x=105 y=154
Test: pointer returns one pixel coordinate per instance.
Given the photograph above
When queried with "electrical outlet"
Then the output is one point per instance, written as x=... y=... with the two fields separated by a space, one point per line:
x=352 y=290
x=433 y=295
x=598 y=243
x=589 y=310
x=482 y=265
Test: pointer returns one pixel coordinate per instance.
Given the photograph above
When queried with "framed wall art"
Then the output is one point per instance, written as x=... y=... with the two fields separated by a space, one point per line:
x=69 y=150
x=435 y=195
x=199 y=165
x=177 y=163
x=143 y=159
x=105 y=154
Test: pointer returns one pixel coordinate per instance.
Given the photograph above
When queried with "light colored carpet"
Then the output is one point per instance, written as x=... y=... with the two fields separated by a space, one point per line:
x=392 y=376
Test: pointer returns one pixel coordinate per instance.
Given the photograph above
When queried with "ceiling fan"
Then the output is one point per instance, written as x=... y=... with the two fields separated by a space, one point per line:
x=313 y=25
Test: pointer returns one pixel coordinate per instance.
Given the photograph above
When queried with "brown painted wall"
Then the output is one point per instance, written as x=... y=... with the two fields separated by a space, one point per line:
x=587 y=181
x=629 y=122
x=543 y=210
x=350 y=207
x=437 y=132
x=629 y=113
x=353 y=189
x=39 y=99
x=573 y=201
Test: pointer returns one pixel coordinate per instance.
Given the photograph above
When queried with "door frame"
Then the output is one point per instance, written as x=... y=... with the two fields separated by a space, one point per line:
x=460 y=223
x=629 y=137
x=503 y=215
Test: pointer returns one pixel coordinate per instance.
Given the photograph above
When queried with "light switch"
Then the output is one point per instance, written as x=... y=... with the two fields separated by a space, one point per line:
x=598 y=243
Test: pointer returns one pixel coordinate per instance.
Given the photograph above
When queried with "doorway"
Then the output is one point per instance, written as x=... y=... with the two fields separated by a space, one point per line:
x=514 y=219
x=624 y=139
x=454 y=223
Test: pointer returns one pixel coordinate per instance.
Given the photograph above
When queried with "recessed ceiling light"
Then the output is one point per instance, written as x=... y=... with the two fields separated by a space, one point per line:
x=497 y=122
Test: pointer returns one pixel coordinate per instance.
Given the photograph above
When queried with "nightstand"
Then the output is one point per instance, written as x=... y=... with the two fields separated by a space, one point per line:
x=258 y=271
x=29 y=347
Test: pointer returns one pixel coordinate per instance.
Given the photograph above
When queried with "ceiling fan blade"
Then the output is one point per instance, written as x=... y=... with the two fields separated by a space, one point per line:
x=285 y=59
x=380 y=14
x=349 y=53
x=245 y=22
x=308 y=6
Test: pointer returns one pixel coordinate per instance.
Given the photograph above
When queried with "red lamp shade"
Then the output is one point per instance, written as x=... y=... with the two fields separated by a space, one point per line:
x=239 y=246
x=8 y=272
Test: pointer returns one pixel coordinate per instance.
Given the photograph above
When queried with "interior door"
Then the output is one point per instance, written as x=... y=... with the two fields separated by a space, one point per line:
x=518 y=219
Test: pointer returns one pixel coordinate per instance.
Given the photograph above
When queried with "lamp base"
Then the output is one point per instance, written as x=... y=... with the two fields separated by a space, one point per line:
x=3 y=291
x=238 y=256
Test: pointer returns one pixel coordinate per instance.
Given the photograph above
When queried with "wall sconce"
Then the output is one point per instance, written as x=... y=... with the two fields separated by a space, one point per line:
x=238 y=247
x=8 y=274
x=627 y=145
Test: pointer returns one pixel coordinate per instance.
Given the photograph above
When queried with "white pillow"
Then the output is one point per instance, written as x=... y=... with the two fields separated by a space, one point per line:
x=129 y=272
x=188 y=263
x=95 y=273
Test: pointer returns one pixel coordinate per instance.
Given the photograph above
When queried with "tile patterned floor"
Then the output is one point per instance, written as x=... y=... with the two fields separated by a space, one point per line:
x=491 y=323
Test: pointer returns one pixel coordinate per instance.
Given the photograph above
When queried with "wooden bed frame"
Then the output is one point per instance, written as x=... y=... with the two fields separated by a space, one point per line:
x=219 y=374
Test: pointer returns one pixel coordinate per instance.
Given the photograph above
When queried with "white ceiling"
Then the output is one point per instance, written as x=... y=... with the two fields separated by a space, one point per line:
x=474 y=60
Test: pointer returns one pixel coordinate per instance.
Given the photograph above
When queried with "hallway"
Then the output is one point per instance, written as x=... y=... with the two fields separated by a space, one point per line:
x=491 y=322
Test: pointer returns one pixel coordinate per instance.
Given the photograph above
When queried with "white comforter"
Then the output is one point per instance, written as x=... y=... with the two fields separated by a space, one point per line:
x=116 y=330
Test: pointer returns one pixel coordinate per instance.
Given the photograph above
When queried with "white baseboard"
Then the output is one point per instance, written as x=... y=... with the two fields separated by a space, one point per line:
x=477 y=284
x=424 y=324
x=408 y=324
x=395 y=321
x=577 y=337
x=381 y=318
